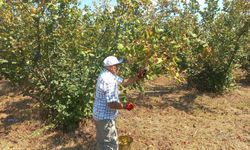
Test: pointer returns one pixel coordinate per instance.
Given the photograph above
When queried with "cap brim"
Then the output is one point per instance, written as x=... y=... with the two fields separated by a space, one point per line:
x=121 y=61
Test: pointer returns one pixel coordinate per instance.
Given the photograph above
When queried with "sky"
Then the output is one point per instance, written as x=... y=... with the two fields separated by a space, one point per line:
x=87 y=2
x=90 y=2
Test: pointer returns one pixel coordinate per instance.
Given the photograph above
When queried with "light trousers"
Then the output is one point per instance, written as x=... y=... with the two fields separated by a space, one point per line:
x=106 y=135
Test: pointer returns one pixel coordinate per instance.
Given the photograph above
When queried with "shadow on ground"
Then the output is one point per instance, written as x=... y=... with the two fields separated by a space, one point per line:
x=16 y=112
x=5 y=87
x=186 y=102
x=71 y=141
x=245 y=82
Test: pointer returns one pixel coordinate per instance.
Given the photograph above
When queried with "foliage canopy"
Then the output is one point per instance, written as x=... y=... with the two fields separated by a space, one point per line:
x=56 y=48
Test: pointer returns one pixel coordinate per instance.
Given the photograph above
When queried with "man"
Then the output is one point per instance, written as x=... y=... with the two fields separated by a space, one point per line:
x=107 y=103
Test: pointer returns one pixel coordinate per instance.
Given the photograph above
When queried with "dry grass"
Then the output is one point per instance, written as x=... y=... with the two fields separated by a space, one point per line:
x=187 y=119
x=174 y=118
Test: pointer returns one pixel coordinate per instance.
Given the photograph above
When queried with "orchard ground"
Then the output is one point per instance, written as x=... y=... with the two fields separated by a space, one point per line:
x=167 y=116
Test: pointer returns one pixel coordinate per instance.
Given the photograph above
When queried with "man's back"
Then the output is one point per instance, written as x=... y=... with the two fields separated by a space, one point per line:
x=106 y=91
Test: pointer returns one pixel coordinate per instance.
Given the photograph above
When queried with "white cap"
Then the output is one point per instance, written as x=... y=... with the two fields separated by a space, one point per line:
x=111 y=60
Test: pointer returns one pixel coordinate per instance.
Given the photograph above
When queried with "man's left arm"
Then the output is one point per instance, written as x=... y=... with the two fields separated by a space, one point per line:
x=141 y=73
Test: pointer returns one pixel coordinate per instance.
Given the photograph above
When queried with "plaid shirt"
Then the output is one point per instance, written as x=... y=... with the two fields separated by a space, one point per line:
x=106 y=91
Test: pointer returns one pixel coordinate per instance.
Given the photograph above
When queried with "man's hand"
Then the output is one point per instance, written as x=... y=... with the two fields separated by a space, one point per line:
x=141 y=73
x=129 y=106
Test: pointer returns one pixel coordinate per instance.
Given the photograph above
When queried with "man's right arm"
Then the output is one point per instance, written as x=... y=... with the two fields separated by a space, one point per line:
x=116 y=105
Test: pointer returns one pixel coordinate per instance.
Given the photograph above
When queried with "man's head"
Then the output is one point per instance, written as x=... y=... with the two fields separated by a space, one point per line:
x=111 y=63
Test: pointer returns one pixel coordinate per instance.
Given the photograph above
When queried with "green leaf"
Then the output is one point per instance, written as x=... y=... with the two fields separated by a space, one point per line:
x=120 y=46
x=3 y=61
